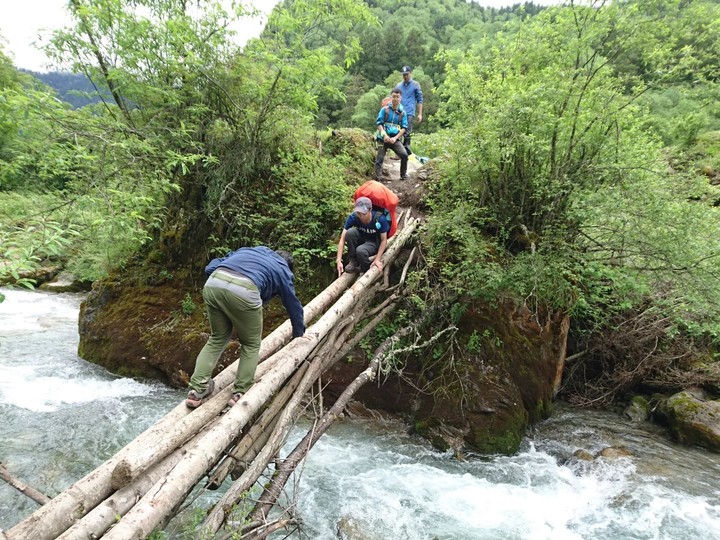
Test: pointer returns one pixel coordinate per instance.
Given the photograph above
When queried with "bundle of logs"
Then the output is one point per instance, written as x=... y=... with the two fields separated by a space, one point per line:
x=143 y=486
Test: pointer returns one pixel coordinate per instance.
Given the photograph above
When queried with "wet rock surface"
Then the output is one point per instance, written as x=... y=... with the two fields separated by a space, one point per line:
x=693 y=418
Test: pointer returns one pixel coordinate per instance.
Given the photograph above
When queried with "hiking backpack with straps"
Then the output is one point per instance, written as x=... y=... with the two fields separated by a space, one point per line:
x=387 y=109
x=384 y=201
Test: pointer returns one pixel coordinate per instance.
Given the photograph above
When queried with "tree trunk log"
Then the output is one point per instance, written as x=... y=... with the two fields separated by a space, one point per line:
x=22 y=487
x=286 y=467
x=165 y=494
x=261 y=426
x=104 y=515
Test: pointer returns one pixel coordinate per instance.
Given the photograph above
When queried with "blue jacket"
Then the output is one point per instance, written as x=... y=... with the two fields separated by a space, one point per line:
x=411 y=95
x=390 y=120
x=270 y=273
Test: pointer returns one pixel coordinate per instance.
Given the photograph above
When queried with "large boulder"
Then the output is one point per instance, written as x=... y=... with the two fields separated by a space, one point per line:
x=503 y=383
x=694 y=419
x=151 y=323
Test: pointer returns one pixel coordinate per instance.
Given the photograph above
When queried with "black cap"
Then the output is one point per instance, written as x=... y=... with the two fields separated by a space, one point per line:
x=406 y=69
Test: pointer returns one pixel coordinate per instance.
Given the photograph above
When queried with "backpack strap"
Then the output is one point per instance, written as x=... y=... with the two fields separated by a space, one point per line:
x=377 y=214
x=387 y=113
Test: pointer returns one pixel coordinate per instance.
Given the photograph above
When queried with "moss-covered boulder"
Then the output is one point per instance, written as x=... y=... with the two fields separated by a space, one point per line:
x=505 y=381
x=65 y=282
x=638 y=410
x=137 y=328
x=694 y=419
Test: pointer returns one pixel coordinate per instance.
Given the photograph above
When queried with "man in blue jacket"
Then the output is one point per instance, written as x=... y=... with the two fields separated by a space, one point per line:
x=412 y=102
x=237 y=287
x=391 y=125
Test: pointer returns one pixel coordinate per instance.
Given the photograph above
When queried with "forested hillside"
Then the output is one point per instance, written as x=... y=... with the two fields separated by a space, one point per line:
x=73 y=88
x=576 y=157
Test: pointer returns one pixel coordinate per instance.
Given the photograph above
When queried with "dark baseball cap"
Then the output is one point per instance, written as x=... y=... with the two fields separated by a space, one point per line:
x=406 y=69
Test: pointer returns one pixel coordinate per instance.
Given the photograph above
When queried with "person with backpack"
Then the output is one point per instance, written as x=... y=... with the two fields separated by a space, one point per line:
x=237 y=287
x=391 y=125
x=366 y=234
x=412 y=102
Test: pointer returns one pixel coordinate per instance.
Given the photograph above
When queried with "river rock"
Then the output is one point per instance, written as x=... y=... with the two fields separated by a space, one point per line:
x=614 y=452
x=638 y=410
x=64 y=282
x=583 y=455
x=694 y=419
x=348 y=528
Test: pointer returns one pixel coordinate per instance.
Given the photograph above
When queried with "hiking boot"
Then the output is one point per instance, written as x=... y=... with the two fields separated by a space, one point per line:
x=352 y=267
x=404 y=177
x=195 y=399
x=237 y=396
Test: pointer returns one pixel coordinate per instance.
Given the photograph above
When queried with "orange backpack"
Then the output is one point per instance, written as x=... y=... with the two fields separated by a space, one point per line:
x=383 y=199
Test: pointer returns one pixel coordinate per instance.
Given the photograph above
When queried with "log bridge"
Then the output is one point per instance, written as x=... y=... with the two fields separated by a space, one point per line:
x=139 y=489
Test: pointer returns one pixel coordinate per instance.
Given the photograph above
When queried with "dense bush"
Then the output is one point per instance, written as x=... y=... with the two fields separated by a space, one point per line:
x=555 y=194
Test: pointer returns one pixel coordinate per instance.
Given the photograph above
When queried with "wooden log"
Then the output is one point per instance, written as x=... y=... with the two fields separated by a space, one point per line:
x=168 y=492
x=22 y=487
x=104 y=515
x=263 y=531
x=159 y=501
x=284 y=468
x=53 y=518
x=261 y=425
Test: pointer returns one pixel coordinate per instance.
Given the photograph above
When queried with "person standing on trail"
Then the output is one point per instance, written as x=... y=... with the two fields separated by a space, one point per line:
x=237 y=287
x=412 y=102
x=366 y=234
x=391 y=124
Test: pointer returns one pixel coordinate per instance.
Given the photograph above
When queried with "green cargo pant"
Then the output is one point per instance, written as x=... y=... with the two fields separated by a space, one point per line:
x=226 y=310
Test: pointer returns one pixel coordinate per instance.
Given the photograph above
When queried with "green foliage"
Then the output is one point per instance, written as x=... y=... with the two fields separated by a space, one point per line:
x=367 y=107
x=412 y=33
x=190 y=133
x=680 y=113
x=187 y=305
x=305 y=210
x=554 y=193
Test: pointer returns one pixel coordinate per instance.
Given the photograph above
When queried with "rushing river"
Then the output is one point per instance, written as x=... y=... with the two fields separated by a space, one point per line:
x=62 y=416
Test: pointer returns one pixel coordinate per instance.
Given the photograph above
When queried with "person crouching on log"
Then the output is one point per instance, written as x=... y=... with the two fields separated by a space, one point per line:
x=366 y=233
x=237 y=287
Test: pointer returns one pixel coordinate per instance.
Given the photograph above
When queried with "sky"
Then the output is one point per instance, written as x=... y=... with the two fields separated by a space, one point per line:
x=25 y=25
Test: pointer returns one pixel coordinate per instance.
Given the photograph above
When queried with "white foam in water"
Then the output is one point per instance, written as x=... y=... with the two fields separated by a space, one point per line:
x=529 y=496
x=44 y=379
x=386 y=483
x=33 y=311
x=22 y=388
x=470 y=504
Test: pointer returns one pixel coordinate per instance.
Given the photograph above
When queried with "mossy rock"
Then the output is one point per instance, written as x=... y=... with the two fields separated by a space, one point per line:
x=693 y=420
x=638 y=410
x=502 y=434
